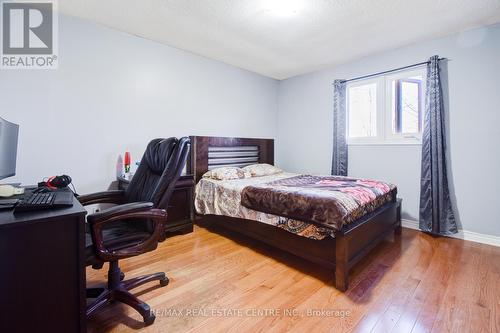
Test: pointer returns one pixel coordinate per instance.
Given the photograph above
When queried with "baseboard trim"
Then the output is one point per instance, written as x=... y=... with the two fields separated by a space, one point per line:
x=462 y=234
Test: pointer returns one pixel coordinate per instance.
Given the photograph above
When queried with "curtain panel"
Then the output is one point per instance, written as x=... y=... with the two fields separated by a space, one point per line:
x=436 y=212
x=339 y=157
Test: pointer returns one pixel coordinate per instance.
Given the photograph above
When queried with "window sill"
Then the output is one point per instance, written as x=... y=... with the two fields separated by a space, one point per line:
x=388 y=143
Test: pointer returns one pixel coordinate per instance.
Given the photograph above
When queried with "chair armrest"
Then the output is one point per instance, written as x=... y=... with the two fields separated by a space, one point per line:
x=113 y=197
x=140 y=210
x=118 y=212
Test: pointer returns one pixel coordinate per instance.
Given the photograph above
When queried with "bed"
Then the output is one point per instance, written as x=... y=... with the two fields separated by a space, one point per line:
x=338 y=249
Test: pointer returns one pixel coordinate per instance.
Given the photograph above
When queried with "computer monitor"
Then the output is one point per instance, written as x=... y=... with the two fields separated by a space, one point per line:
x=8 y=148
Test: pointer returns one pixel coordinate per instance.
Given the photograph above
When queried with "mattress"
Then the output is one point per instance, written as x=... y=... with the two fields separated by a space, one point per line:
x=309 y=206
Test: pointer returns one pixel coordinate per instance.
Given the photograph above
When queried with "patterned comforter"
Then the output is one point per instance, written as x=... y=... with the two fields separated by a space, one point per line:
x=219 y=197
x=327 y=201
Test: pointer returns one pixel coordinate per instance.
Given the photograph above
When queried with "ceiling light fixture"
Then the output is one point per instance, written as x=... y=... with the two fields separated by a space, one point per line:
x=283 y=8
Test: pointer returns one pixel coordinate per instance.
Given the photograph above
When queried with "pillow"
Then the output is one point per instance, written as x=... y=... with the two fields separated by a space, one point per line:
x=263 y=169
x=226 y=173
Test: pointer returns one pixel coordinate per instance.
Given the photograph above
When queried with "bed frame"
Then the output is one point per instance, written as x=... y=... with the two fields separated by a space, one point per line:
x=341 y=253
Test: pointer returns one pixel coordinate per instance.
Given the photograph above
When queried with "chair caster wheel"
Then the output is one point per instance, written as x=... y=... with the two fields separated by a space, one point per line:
x=149 y=319
x=164 y=282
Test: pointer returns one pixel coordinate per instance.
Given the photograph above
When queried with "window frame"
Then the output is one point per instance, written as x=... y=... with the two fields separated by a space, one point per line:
x=384 y=110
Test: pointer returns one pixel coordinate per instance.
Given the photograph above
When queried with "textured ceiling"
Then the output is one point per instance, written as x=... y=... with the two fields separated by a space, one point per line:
x=284 y=38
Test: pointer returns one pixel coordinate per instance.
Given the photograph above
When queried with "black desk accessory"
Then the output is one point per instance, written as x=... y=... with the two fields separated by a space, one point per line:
x=44 y=198
x=8 y=203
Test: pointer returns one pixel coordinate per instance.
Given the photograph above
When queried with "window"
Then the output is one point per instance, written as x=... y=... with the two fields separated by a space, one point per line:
x=363 y=105
x=387 y=109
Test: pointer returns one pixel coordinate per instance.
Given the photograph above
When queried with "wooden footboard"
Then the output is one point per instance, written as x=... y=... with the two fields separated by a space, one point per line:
x=354 y=241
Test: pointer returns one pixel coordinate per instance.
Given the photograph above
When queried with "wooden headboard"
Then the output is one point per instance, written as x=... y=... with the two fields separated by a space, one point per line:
x=209 y=152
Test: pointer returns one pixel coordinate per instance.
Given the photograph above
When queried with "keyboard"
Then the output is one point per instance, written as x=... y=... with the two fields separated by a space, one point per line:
x=45 y=200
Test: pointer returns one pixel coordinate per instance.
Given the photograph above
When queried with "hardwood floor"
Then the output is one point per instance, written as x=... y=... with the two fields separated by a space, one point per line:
x=220 y=281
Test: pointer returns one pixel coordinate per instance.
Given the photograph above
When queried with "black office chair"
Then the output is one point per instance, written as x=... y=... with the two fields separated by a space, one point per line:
x=135 y=225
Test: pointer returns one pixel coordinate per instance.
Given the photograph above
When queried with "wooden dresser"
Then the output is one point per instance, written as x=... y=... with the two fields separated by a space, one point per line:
x=181 y=209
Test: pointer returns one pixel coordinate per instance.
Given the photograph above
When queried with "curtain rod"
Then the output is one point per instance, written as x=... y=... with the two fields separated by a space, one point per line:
x=389 y=71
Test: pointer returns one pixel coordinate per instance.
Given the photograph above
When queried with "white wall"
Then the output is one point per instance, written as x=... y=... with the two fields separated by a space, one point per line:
x=305 y=126
x=113 y=92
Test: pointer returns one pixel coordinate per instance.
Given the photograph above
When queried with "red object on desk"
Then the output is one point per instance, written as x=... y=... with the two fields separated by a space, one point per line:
x=127 y=162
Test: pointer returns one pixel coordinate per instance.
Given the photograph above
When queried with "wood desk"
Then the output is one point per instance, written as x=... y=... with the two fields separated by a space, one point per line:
x=42 y=270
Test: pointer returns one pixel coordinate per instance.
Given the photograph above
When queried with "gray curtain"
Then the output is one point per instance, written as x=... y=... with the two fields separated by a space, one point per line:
x=436 y=213
x=339 y=159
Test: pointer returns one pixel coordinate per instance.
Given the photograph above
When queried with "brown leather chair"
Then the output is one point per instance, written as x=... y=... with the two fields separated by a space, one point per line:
x=135 y=225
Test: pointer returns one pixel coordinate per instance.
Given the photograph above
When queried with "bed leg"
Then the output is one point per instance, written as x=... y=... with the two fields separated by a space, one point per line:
x=397 y=229
x=341 y=263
